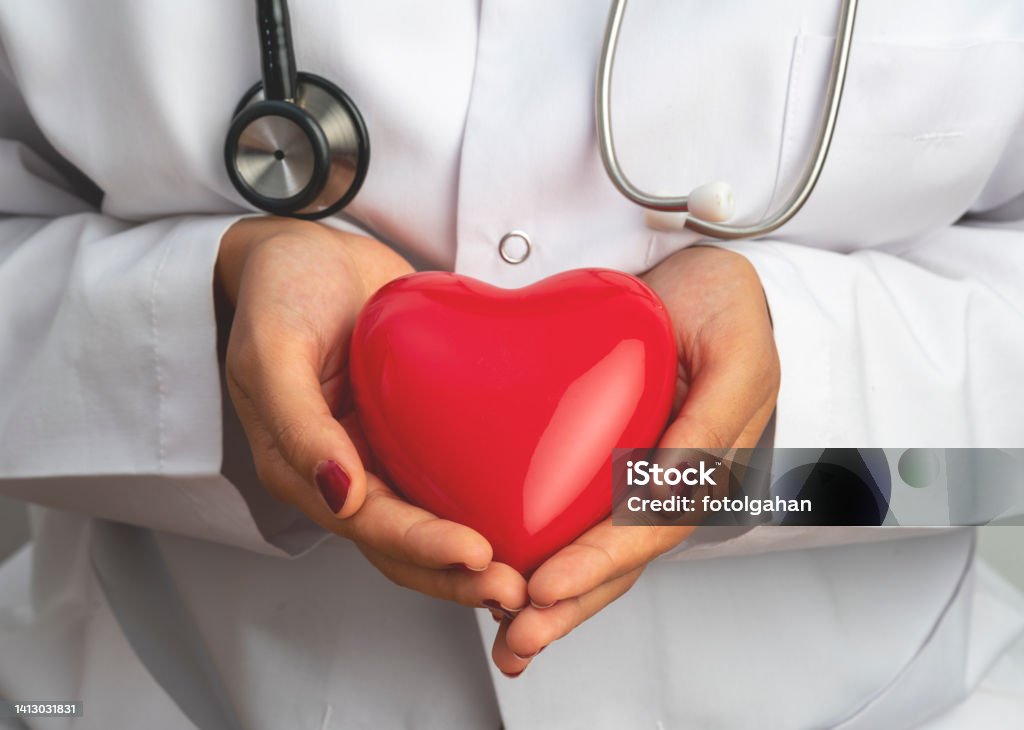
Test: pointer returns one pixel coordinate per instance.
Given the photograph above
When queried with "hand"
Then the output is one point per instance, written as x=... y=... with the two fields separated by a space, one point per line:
x=726 y=391
x=297 y=288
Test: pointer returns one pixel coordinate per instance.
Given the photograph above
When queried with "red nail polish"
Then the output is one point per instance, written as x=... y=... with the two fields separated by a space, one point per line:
x=333 y=483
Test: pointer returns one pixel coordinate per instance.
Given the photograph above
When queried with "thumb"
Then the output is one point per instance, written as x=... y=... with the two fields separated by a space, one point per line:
x=727 y=406
x=311 y=442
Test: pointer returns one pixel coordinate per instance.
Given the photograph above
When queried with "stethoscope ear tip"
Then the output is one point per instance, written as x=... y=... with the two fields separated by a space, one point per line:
x=714 y=202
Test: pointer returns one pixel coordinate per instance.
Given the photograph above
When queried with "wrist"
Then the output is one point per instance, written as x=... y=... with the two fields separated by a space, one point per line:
x=247 y=234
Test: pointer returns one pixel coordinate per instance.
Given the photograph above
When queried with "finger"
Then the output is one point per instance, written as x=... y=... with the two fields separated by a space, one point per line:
x=390 y=525
x=499 y=584
x=503 y=657
x=279 y=380
x=534 y=628
x=410 y=534
x=603 y=553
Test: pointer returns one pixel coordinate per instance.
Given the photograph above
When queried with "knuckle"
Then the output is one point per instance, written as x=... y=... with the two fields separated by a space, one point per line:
x=289 y=437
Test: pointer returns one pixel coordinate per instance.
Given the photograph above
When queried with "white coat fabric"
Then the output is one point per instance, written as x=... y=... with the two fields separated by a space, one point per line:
x=164 y=589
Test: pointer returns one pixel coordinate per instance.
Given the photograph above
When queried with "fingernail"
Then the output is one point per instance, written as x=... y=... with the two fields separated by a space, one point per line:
x=494 y=605
x=497 y=619
x=512 y=676
x=333 y=483
x=537 y=605
x=467 y=567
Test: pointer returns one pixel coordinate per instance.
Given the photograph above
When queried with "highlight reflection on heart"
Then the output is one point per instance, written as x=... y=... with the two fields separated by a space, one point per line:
x=499 y=408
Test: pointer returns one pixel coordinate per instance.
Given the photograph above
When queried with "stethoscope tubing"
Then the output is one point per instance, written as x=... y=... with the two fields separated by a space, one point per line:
x=812 y=168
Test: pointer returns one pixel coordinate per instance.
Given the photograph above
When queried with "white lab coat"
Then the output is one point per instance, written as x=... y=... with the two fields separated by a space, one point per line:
x=896 y=326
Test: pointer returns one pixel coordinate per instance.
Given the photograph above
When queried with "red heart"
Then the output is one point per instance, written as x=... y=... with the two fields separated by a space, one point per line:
x=499 y=408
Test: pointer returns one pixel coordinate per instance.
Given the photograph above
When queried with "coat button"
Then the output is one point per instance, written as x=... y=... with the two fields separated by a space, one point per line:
x=515 y=247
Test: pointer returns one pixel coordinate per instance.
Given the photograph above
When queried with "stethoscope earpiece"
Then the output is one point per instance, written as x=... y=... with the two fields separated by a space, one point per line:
x=714 y=202
x=706 y=208
x=305 y=151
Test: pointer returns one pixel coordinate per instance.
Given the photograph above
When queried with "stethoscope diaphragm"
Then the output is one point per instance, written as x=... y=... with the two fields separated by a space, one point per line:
x=305 y=158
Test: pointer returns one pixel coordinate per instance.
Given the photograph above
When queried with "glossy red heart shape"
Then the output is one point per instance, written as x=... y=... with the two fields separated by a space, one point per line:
x=499 y=408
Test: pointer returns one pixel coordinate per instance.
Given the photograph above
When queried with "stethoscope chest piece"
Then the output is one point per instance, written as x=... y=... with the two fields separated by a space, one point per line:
x=304 y=157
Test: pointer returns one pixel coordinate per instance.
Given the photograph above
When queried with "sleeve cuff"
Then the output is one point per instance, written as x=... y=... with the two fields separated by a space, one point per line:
x=185 y=363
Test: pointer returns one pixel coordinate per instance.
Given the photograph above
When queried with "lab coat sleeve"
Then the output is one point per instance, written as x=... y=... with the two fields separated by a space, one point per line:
x=917 y=343
x=110 y=398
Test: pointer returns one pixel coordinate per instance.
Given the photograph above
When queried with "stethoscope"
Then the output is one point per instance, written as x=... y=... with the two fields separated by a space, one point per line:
x=297 y=145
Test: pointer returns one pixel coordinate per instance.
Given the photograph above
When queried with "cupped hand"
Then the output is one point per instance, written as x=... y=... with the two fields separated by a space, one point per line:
x=297 y=288
x=727 y=386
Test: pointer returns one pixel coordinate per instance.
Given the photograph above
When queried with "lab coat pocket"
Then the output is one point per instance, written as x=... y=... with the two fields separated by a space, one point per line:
x=921 y=128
